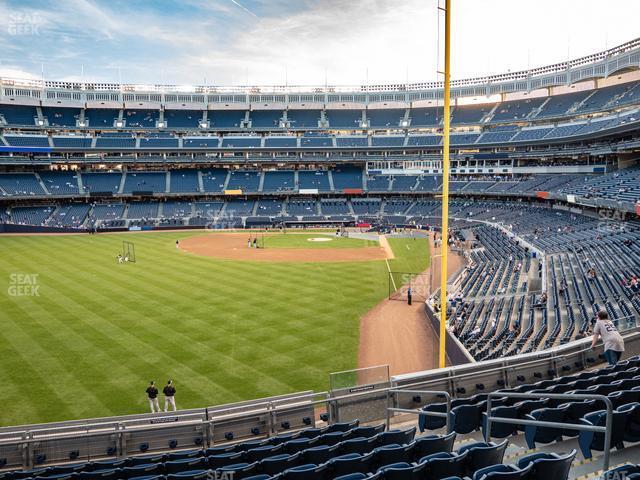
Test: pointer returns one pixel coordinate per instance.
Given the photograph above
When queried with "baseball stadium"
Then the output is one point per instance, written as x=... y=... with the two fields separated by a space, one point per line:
x=377 y=280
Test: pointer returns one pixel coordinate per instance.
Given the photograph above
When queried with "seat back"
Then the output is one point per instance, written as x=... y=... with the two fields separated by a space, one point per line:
x=411 y=472
x=553 y=467
x=186 y=464
x=453 y=465
x=465 y=418
x=501 y=430
x=483 y=455
x=428 y=445
x=391 y=454
x=534 y=434
x=574 y=411
x=318 y=455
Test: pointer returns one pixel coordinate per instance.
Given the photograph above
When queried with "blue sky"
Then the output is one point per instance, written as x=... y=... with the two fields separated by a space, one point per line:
x=302 y=42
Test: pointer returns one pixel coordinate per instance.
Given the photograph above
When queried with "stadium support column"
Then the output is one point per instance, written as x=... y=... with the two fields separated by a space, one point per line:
x=445 y=183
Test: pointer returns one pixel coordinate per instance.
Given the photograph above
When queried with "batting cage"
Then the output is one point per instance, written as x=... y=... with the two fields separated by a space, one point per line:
x=401 y=282
x=129 y=252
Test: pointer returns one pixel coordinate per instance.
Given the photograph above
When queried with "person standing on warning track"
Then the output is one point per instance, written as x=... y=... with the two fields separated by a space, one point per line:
x=169 y=396
x=152 y=395
x=409 y=293
x=255 y=242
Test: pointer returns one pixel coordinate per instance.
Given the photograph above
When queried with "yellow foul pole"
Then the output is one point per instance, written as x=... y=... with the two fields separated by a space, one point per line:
x=445 y=182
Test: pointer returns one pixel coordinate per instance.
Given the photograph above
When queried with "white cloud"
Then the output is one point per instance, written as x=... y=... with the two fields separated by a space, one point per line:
x=346 y=40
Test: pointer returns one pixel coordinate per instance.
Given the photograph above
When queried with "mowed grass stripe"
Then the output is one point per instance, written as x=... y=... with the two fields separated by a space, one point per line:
x=237 y=330
x=177 y=349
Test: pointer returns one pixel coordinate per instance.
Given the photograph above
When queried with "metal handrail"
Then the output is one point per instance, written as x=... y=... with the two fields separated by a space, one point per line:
x=391 y=395
x=548 y=356
x=567 y=426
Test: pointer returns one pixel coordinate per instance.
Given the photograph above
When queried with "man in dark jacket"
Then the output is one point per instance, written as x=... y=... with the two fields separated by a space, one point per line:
x=169 y=396
x=152 y=395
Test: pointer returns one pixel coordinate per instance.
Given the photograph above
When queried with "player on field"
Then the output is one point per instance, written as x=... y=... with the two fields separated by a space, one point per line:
x=152 y=394
x=169 y=396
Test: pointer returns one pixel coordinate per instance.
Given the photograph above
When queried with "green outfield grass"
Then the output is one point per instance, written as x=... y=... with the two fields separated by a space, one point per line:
x=303 y=240
x=97 y=332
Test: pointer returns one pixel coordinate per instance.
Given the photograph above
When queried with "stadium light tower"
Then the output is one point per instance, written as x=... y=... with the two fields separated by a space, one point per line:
x=445 y=182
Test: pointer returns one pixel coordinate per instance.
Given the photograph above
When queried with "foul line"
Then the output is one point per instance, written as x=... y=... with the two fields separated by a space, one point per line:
x=391 y=275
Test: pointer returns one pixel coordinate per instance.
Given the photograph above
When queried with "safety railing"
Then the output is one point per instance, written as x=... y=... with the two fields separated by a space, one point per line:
x=391 y=397
x=270 y=413
x=559 y=425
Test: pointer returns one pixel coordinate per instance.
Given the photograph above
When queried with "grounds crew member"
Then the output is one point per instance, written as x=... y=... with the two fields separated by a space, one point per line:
x=152 y=394
x=169 y=396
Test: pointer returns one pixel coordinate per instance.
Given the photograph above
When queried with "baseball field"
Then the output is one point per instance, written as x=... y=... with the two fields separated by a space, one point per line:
x=81 y=335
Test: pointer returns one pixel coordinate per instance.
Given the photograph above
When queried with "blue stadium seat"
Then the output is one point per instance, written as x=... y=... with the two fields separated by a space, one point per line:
x=430 y=444
x=186 y=464
x=482 y=455
x=404 y=471
x=359 y=445
x=443 y=465
x=259 y=453
x=350 y=463
x=318 y=455
x=224 y=459
x=595 y=440
x=184 y=454
x=305 y=472
x=525 y=407
x=145 y=460
x=548 y=465
x=574 y=411
x=342 y=426
x=333 y=438
x=279 y=463
x=239 y=470
x=219 y=450
x=501 y=430
x=190 y=475
x=106 y=464
x=504 y=472
x=465 y=418
x=534 y=434
x=632 y=426
x=108 y=474
x=389 y=454
x=311 y=432
x=358 y=476
x=143 y=470
x=299 y=444
x=400 y=437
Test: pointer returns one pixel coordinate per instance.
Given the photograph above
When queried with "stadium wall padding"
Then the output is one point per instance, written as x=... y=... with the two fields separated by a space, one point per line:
x=455 y=351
